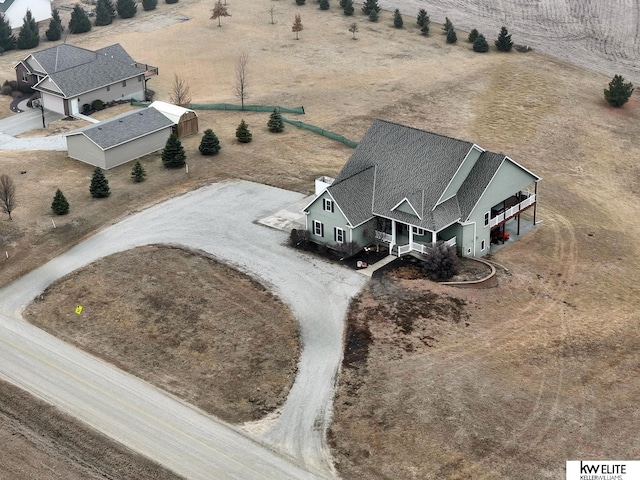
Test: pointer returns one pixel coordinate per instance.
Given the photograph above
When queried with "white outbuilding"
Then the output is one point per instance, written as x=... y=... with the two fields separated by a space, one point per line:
x=184 y=119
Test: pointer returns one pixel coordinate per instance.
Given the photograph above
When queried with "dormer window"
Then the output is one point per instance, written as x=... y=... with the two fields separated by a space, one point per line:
x=327 y=205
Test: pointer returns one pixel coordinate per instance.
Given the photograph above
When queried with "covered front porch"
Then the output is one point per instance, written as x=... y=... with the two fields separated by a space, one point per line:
x=403 y=239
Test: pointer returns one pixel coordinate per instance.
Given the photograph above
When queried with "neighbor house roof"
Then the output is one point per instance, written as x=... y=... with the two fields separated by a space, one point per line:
x=171 y=111
x=76 y=70
x=402 y=173
x=124 y=128
x=5 y=4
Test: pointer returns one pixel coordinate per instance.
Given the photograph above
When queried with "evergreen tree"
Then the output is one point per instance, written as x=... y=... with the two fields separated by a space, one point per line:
x=209 y=145
x=275 y=123
x=104 y=13
x=7 y=38
x=173 y=155
x=138 y=172
x=324 y=4
x=369 y=6
x=176 y=1
x=425 y=29
x=373 y=16
x=452 y=36
x=54 y=32
x=441 y=262
x=126 y=8
x=480 y=44
x=79 y=22
x=148 y=5
x=300 y=2
x=619 y=92
x=343 y=3
x=242 y=132
x=397 y=19
x=504 y=43
x=447 y=25
x=348 y=8
x=473 y=34
x=422 y=16
x=29 y=36
x=60 y=206
x=99 y=187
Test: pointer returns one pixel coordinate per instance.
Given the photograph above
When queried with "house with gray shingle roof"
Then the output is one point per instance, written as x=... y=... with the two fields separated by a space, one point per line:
x=120 y=139
x=69 y=77
x=410 y=188
x=14 y=11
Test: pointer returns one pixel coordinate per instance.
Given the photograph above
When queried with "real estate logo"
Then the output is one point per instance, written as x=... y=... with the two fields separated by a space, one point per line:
x=603 y=470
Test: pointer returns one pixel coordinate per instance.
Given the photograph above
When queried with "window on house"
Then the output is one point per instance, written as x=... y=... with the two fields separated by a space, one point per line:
x=327 y=205
x=487 y=218
x=25 y=77
x=318 y=228
x=482 y=245
x=108 y=88
x=419 y=231
x=338 y=235
x=124 y=83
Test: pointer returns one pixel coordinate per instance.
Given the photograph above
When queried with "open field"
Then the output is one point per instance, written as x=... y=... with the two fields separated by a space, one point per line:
x=547 y=368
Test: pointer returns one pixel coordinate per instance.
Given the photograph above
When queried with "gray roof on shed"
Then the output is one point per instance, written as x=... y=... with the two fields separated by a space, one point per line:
x=394 y=164
x=77 y=70
x=124 y=128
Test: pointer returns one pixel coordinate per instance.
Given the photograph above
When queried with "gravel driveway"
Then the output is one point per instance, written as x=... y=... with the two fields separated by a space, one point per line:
x=219 y=219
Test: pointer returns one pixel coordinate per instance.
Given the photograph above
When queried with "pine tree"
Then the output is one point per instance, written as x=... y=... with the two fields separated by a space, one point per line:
x=149 y=5
x=447 y=25
x=99 y=187
x=104 y=13
x=343 y=3
x=275 y=123
x=7 y=38
x=79 y=22
x=209 y=145
x=370 y=5
x=348 y=8
x=422 y=17
x=480 y=44
x=29 y=36
x=173 y=1
x=452 y=36
x=242 y=132
x=373 y=16
x=60 y=205
x=425 y=29
x=55 y=30
x=504 y=43
x=619 y=92
x=473 y=34
x=397 y=19
x=126 y=8
x=300 y=2
x=138 y=172
x=324 y=4
x=173 y=155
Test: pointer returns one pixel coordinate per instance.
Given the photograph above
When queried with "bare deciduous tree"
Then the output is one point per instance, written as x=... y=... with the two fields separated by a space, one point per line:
x=219 y=11
x=180 y=91
x=7 y=194
x=297 y=26
x=272 y=11
x=353 y=28
x=242 y=74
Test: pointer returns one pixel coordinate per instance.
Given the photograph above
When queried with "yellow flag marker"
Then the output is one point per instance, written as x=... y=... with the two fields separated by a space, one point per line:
x=78 y=309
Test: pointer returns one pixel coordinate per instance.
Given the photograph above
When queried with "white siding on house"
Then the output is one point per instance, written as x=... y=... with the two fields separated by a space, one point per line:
x=53 y=103
x=133 y=89
x=40 y=9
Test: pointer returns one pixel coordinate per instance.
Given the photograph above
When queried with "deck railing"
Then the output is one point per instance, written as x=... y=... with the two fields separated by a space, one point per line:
x=420 y=248
x=511 y=212
x=384 y=237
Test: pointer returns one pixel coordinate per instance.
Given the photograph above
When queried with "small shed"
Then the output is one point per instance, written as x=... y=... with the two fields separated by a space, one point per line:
x=184 y=119
x=120 y=139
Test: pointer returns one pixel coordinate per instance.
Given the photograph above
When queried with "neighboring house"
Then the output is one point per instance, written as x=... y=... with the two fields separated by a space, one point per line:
x=69 y=77
x=184 y=119
x=409 y=188
x=120 y=139
x=14 y=11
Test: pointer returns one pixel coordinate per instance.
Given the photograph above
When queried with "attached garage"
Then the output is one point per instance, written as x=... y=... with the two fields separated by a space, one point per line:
x=120 y=139
x=184 y=119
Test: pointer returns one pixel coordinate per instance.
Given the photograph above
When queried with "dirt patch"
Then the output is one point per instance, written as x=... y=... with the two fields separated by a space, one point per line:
x=38 y=441
x=182 y=321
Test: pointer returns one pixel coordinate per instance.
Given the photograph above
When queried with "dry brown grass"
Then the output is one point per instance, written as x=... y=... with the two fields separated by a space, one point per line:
x=548 y=368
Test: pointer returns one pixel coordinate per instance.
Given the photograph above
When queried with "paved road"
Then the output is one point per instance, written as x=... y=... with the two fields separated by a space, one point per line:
x=218 y=219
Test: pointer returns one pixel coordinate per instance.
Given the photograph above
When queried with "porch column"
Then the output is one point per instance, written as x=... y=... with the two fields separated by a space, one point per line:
x=535 y=205
x=433 y=238
x=410 y=236
x=393 y=235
